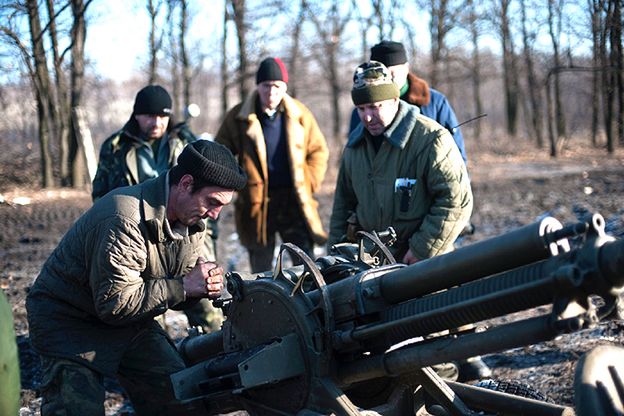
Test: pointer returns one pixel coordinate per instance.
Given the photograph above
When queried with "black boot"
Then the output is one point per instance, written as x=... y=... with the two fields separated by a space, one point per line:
x=474 y=368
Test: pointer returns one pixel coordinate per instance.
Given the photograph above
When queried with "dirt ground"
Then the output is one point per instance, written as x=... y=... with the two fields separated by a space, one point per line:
x=510 y=191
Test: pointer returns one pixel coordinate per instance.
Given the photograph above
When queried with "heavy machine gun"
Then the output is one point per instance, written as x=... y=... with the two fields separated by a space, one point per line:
x=355 y=333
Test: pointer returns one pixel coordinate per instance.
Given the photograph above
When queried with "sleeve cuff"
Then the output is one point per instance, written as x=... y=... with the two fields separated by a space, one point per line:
x=175 y=291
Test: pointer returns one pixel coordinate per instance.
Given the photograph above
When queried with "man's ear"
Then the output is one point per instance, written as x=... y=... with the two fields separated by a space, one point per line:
x=187 y=181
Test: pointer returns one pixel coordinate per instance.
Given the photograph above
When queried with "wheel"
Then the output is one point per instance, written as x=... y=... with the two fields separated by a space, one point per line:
x=599 y=382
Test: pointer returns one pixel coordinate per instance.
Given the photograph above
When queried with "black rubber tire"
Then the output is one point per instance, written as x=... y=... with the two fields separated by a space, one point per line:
x=514 y=387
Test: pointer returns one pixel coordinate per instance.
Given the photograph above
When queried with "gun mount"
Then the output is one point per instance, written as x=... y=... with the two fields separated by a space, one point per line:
x=356 y=333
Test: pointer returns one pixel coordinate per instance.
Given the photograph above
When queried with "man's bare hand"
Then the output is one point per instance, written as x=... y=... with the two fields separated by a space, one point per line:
x=204 y=281
x=409 y=258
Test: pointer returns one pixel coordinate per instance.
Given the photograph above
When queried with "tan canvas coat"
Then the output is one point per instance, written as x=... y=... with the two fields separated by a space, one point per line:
x=241 y=132
x=117 y=268
x=417 y=148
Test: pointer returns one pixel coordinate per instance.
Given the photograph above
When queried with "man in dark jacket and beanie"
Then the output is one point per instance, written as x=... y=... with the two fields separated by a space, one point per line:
x=132 y=256
x=145 y=147
x=415 y=90
x=281 y=148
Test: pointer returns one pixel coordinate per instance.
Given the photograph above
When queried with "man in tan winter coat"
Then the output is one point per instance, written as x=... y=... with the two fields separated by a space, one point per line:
x=132 y=256
x=281 y=148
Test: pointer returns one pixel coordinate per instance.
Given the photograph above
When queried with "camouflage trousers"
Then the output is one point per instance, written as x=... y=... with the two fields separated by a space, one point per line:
x=70 y=388
x=284 y=217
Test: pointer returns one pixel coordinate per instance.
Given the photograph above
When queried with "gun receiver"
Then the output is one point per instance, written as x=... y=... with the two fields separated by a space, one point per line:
x=344 y=336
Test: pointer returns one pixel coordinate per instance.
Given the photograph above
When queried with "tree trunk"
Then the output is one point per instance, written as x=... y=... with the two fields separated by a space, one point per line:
x=238 y=14
x=436 y=28
x=596 y=24
x=607 y=80
x=79 y=33
x=532 y=83
x=224 y=69
x=154 y=44
x=554 y=29
x=59 y=105
x=618 y=67
x=330 y=31
x=476 y=69
x=41 y=83
x=295 y=49
x=187 y=71
x=175 y=55
x=510 y=75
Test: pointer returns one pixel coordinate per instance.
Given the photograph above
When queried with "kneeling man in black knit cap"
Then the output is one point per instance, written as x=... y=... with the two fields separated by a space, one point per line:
x=128 y=259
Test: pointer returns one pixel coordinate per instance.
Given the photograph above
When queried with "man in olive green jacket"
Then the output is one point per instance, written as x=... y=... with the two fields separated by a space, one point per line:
x=281 y=148
x=132 y=256
x=403 y=169
x=400 y=169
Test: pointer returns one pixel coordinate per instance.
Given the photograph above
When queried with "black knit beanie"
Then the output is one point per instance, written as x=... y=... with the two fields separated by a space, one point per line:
x=372 y=82
x=213 y=163
x=153 y=99
x=271 y=69
x=389 y=53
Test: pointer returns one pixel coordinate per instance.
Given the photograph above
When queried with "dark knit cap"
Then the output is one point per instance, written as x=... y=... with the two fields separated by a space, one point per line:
x=389 y=53
x=213 y=163
x=153 y=99
x=271 y=69
x=372 y=82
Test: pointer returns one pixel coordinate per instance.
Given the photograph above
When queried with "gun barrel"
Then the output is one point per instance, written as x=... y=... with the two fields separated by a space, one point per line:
x=522 y=246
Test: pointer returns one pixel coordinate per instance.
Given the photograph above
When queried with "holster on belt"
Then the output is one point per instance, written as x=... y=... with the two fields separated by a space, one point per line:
x=352 y=227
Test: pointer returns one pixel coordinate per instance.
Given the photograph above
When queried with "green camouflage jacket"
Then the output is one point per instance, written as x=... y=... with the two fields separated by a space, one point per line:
x=117 y=165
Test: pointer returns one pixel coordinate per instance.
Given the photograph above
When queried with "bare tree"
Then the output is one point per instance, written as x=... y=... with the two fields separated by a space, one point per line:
x=444 y=17
x=555 y=17
x=59 y=107
x=174 y=53
x=597 y=23
x=78 y=36
x=295 y=49
x=224 y=69
x=501 y=13
x=618 y=66
x=607 y=77
x=41 y=81
x=535 y=99
x=386 y=17
x=155 y=39
x=472 y=23
x=330 y=25
x=187 y=70
x=239 y=16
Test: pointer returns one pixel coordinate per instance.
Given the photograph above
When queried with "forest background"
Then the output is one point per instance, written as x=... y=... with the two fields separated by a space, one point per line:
x=545 y=72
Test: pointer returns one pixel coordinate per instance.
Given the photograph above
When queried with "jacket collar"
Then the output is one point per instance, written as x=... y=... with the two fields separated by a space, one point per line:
x=397 y=133
x=418 y=92
x=248 y=107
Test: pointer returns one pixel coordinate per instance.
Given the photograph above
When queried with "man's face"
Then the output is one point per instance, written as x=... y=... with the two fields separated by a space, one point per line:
x=153 y=126
x=399 y=73
x=377 y=116
x=190 y=208
x=271 y=93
